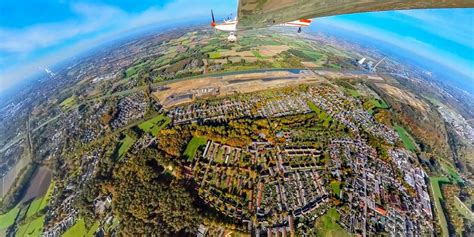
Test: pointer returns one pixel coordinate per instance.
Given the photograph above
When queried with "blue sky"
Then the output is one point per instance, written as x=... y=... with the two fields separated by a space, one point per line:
x=38 y=34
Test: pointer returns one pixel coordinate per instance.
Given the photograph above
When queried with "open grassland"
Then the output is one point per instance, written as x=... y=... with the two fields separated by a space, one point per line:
x=155 y=124
x=7 y=219
x=435 y=183
x=406 y=139
x=328 y=226
x=69 y=102
x=125 y=145
x=31 y=228
x=193 y=145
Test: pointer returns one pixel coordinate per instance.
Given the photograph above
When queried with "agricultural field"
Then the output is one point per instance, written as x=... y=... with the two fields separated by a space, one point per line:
x=435 y=183
x=40 y=203
x=214 y=55
x=79 y=229
x=31 y=228
x=155 y=124
x=406 y=138
x=193 y=145
x=8 y=218
x=327 y=225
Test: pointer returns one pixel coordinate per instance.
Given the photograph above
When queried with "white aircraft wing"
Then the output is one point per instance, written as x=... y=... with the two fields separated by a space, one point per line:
x=263 y=13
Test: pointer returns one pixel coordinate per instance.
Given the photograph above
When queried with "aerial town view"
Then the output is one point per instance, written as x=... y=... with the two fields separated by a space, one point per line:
x=185 y=132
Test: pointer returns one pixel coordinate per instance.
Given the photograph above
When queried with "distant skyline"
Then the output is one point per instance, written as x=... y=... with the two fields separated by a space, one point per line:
x=37 y=34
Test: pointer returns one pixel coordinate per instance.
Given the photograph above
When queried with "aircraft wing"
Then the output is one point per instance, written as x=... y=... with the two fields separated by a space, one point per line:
x=263 y=13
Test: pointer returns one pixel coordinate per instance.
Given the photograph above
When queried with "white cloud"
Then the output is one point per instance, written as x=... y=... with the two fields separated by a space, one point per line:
x=94 y=24
x=91 y=18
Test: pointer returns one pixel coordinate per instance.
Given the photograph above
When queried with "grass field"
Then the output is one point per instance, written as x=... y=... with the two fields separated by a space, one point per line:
x=438 y=196
x=352 y=92
x=69 y=102
x=32 y=228
x=257 y=54
x=407 y=140
x=451 y=171
x=47 y=196
x=78 y=229
x=327 y=225
x=463 y=209
x=34 y=207
x=93 y=229
x=133 y=70
x=336 y=187
x=214 y=55
x=8 y=218
x=379 y=103
x=125 y=145
x=155 y=124
x=193 y=145
x=40 y=203
x=323 y=116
